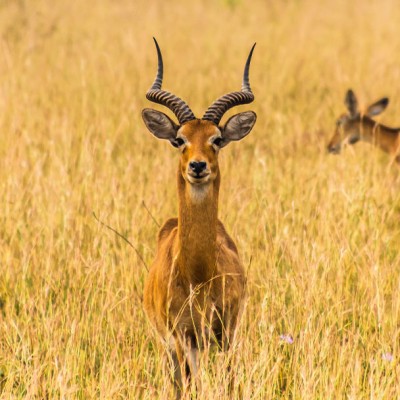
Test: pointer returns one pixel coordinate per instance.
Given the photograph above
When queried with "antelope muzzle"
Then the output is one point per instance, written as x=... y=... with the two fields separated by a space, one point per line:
x=198 y=172
x=334 y=148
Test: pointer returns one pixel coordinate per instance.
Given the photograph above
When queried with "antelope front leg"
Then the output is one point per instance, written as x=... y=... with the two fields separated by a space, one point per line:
x=186 y=366
x=230 y=323
x=192 y=359
x=177 y=374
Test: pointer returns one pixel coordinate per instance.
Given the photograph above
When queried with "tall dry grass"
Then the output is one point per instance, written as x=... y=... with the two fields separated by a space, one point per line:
x=319 y=233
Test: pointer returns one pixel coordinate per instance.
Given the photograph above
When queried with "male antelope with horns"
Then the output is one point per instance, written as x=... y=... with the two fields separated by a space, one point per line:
x=196 y=285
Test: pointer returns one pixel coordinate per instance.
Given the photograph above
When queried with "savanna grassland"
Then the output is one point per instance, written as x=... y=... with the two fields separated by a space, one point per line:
x=319 y=234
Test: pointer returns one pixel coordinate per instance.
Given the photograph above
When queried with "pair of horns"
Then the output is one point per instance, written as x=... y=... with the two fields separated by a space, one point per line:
x=215 y=111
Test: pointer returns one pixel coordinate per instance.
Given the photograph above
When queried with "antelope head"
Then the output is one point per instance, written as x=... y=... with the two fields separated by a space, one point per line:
x=349 y=127
x=199 y=140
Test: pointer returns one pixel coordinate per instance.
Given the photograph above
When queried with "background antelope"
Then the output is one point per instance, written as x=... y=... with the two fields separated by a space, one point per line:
x=196 y=285
x=356 y=126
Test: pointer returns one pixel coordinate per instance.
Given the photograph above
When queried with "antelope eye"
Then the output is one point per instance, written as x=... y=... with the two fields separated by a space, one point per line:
x=217 y=141
x=178 y=142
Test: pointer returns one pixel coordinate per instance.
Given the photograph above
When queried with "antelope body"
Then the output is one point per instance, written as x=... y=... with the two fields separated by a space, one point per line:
x=355 y=126
x=196 y=285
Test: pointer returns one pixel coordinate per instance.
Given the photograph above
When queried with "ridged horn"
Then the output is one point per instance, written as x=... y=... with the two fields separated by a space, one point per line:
x=220 y=106
x=174 y=103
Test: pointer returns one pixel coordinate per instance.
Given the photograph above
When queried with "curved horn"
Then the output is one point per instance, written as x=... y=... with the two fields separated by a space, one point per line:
x=224 y=103
x=174 y=103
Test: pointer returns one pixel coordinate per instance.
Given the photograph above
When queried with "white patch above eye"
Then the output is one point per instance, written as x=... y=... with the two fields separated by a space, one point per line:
x=212 y=138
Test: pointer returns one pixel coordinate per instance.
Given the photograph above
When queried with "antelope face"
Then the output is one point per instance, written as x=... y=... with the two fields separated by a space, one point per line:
x=347 y=131
x=199 y=145
x=349 y=127
x=199 y=141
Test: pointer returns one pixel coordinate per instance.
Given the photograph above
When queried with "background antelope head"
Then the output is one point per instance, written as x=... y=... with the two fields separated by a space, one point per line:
x=349 y=127
x=199 y=140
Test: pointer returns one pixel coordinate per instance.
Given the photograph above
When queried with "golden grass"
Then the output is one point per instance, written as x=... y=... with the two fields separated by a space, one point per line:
x=322 y=232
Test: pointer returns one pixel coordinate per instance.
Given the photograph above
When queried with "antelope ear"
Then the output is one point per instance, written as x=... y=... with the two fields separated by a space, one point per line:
x=377 y=107
x=351 y=103
x=159 y=124
x=237 y=127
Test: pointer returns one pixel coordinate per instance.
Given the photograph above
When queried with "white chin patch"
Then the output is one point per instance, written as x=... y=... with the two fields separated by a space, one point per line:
x=198 y=192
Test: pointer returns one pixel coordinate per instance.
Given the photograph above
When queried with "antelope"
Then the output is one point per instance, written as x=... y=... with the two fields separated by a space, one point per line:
x=356 y=126
x=195 y=289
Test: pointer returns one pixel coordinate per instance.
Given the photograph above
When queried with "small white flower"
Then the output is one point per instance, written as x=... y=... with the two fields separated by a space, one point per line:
x=387 y=357
x=287 y=338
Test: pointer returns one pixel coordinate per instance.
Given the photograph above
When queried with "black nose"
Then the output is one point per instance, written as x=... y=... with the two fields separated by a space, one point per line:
x=197 y=166
x=333 y=149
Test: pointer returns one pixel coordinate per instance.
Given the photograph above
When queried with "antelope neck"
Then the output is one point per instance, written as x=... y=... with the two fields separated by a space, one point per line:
x=197 y=229
x=380 y=135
